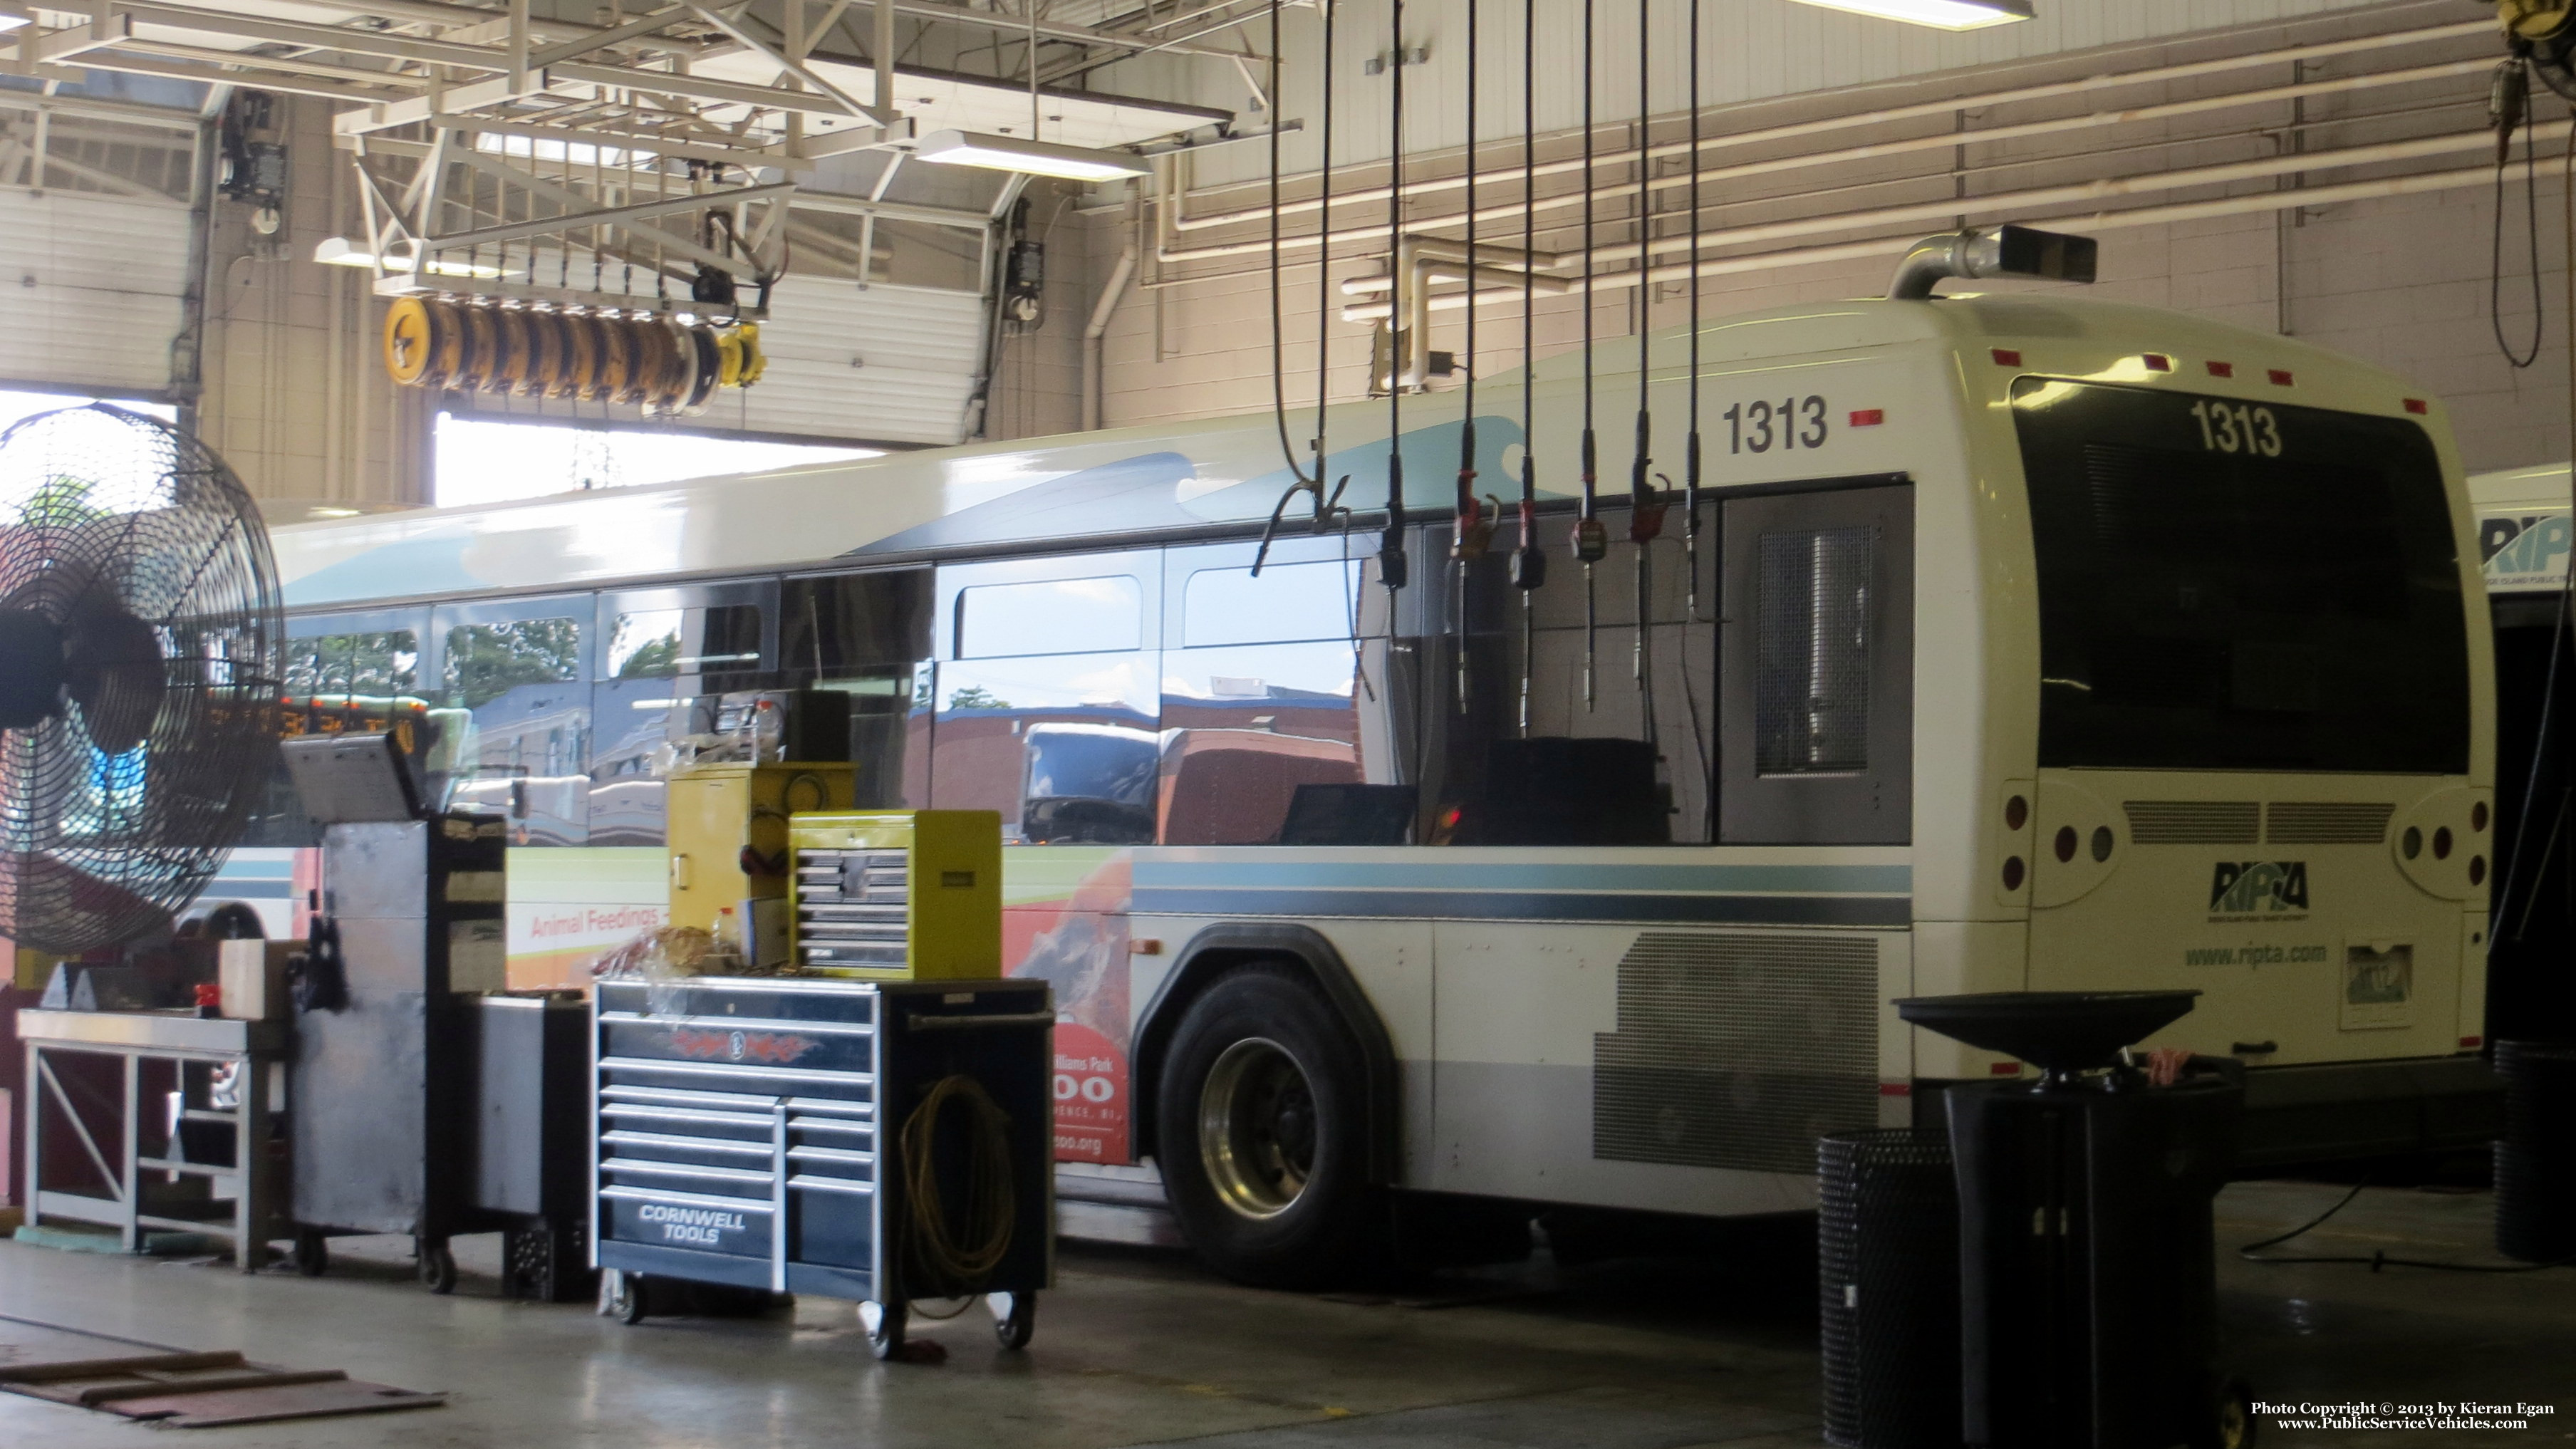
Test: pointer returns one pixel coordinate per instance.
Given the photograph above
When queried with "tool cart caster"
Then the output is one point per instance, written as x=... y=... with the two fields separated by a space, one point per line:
x=437 y=1264
x=884 y=1323
x=627 y=1298
x=1015 y=1317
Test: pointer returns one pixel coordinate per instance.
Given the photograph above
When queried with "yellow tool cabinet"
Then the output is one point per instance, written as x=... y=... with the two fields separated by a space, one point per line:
x=728 y=832
x=898 y=895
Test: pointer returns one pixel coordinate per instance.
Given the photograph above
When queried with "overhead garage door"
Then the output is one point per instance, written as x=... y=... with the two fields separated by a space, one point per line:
x=90 y=289
x=893 y=364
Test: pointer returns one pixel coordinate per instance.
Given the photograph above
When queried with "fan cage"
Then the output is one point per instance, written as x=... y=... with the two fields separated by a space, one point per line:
x=106 y=512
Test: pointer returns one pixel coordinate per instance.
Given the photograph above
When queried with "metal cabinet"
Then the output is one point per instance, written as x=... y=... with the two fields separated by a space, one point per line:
x=753 y=1132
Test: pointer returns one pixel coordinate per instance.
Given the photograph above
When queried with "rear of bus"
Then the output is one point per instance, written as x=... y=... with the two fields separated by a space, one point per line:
x=2263 y=761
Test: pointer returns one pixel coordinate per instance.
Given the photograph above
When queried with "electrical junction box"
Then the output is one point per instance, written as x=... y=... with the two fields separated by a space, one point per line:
x=728 y=832
x=899 y=895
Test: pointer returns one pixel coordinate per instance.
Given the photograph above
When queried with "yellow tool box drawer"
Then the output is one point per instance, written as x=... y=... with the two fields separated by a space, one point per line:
x=898 y=894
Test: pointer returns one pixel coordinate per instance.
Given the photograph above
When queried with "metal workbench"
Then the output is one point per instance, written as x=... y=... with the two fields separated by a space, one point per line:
x=193 y=1047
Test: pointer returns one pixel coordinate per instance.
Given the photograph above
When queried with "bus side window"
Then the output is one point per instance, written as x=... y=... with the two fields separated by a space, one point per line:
x=655 y=663
x=1629 y=765
x=525 y=715
x=1817 y=684
x=1049 y=714
x=1261 y=721
x=868 y=636
x=343 y=676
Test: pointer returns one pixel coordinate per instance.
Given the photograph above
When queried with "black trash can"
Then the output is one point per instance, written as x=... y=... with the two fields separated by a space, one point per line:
x=2535 y=1160
x=2088 y=1278
x=1888 y=1288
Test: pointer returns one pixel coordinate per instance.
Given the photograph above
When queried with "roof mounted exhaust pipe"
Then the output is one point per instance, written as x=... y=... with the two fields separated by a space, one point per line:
x=2006 y=251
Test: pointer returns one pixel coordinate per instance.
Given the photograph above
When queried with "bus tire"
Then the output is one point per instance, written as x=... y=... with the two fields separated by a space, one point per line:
x=1261 y=1116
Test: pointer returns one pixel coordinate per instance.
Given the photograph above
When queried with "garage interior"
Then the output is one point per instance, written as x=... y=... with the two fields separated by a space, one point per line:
x=1621 y=723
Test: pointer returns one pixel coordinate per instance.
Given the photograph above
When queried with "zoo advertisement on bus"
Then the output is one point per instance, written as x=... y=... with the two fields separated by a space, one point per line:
x=1064 y=920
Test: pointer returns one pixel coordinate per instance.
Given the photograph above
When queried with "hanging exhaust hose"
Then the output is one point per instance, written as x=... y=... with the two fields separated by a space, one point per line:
x=951 y=1253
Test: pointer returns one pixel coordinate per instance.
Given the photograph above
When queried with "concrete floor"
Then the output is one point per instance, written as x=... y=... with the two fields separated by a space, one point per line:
x=1139 y=1346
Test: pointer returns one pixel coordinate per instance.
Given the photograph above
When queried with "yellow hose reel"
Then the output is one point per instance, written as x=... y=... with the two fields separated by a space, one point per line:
x=484 y=344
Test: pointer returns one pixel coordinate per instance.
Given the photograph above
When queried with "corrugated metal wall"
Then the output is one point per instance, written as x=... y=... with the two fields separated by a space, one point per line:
x=90 y=289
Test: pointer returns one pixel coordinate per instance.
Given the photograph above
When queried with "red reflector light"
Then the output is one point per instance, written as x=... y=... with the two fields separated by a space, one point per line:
x=1896 y=1089
x=1868 y=417
x=2280 y=376
x=2220 y=369
x=2418 y=406
x=2466 y=1041
x=2158 y=362
x=2007 y=357
x=2004 y=1069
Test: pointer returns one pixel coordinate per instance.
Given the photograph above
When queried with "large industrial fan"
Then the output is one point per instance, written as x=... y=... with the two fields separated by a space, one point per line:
x=140 y=643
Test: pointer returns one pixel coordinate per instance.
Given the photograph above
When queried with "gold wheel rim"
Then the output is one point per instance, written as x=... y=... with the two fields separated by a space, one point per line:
x=1257 y=1128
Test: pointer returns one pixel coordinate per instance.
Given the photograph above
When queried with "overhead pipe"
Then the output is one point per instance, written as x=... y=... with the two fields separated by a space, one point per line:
x=2420 y=184
x=1924 y=109
x=1867 y=152
x=2024 y=203
x=1098 y=328
x=1419 y=262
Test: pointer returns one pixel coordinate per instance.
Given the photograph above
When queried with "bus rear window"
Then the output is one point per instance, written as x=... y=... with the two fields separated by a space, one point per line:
x=2225 y=586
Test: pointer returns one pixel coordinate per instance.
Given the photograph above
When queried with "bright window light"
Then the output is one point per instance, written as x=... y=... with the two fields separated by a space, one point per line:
x=1034 y=158
x=16 y=406
x=579 y=153
x=1939 y=14
x=486 y=460
x=339 y=251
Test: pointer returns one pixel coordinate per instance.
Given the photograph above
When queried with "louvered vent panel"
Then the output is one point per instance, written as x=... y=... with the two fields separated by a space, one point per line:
x=2194 y=822
x=2327 y=822
x=1737 y=1050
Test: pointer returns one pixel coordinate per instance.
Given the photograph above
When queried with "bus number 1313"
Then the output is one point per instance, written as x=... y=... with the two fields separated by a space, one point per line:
x=1796 y=422
x=2235 y=428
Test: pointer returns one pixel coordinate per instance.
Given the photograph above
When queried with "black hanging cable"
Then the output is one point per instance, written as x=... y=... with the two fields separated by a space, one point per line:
x=1529 y=561
x=1390 y=547
x=1471 y=532
x=1591 y=540
x=1645 y=507
x=2518 y=867
x=1691 y=468
x=1301 y=480
x=1324 y=273
x=2508 y=110
x=1278 y=322
x=1691 y=460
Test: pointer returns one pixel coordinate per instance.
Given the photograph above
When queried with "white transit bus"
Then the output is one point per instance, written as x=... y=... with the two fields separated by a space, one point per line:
x=2524 y=536
x=2039 y=643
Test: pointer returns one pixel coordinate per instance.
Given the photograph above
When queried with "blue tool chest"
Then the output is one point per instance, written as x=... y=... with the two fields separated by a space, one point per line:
x=748 y=1130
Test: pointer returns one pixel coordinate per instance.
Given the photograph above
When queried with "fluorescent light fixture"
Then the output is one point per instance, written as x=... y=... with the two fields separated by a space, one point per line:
x=337 y=251
x=1938 y=14
x=1035 y=158
x=11 y=22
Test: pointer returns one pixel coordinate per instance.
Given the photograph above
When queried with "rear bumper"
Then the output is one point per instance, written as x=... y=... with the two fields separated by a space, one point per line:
x=2367 y=1109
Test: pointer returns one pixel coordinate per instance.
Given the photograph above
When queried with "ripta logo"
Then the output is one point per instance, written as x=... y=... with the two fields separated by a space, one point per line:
x=2263 y=889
